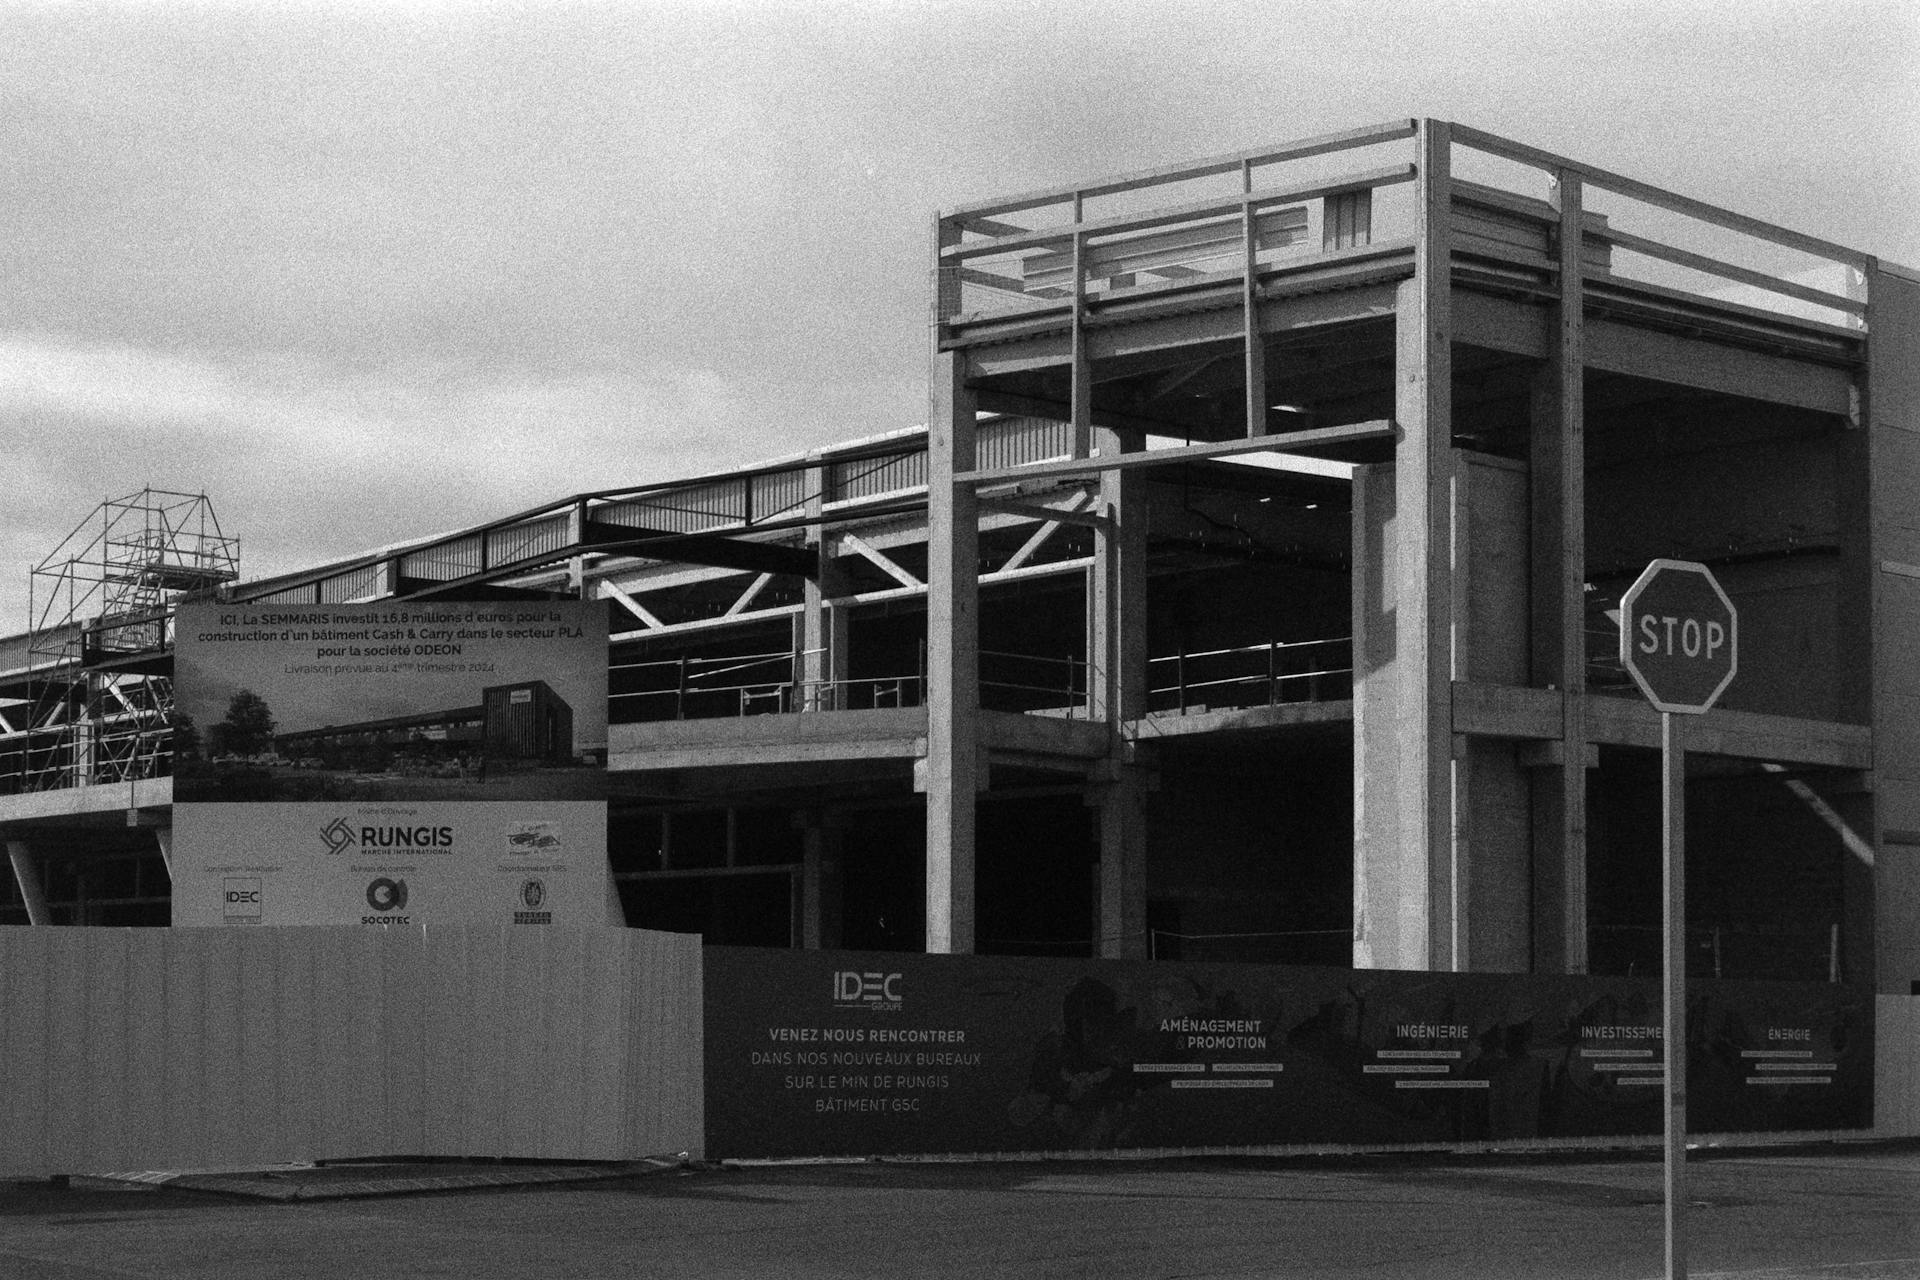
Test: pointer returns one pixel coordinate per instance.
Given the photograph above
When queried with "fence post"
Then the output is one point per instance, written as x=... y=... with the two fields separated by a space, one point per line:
x=1180 y=674
x=680 y=698
x=1273 y=685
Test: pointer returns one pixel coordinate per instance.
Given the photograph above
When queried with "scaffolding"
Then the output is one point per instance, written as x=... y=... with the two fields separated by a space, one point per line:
x=100 y=637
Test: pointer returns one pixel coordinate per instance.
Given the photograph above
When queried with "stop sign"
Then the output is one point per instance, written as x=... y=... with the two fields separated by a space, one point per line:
x=1678 y=635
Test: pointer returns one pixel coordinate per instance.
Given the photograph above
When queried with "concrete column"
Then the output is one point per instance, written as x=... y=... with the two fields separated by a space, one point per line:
x=952 y=774
x=1117 y=592
x=1122 y=815
x=1893 y=426
x=89 y=730
x=820 y=883
x=26 y=874
x=1117 y=692
x=1559 y=648
x=822 y=626
x=820 y=637
x=1403 y=733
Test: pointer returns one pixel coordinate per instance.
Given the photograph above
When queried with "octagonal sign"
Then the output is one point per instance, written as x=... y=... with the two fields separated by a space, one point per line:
x=1679 y=636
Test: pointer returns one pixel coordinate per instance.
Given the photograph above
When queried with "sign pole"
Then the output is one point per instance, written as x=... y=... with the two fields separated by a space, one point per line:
x=1680 y=641
x=1673 y=800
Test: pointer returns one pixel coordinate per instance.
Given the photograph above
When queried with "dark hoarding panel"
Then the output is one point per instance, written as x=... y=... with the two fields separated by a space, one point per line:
x=860 y=1053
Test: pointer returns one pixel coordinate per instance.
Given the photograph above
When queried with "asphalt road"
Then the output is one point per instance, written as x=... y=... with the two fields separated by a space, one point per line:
x=1846 y=1214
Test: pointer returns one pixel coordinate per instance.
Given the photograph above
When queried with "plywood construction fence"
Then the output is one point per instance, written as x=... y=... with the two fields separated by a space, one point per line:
x=196 y=1048
x=1896 y=1081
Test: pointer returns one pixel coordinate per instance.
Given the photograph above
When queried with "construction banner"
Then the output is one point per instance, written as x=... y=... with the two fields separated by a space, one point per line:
x=866 y=1053
x=390 y=763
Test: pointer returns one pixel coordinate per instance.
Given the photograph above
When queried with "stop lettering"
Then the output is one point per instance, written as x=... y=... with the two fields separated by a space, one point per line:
x=1689 y=636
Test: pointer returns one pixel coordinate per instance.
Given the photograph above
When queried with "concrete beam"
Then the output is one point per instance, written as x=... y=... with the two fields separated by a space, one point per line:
x=1526 y=328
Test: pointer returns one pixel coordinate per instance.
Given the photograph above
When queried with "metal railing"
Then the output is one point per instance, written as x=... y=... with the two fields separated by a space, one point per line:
x=1270 y=674
x=1726 y=950
x=697 y=688
x=1333 y=947
x=1257 y=675
x=1031 y=682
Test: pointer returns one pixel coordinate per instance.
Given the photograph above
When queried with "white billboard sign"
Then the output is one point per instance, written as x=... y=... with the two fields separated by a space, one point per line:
x=391 y=864
x=391 y=764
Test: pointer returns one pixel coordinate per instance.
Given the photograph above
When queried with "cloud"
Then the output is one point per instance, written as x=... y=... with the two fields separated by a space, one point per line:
x=363 y=272
x=308 y=460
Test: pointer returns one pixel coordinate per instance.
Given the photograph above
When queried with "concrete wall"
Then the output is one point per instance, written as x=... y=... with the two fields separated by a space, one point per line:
x=1774 y=496
x=189 y=1048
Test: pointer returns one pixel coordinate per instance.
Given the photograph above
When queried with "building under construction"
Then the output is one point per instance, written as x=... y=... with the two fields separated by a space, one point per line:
x=525 y=721
x=1250 y=594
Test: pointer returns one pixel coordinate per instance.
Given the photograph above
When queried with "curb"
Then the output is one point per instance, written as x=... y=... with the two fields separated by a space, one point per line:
x=287 y=1183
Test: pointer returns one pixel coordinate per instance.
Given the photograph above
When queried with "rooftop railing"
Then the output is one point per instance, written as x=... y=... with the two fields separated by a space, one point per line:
x=1172 y=228
x=1254 y=214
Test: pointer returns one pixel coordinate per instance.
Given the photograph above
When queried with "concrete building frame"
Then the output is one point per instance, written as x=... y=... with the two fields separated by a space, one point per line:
x=1449 y=390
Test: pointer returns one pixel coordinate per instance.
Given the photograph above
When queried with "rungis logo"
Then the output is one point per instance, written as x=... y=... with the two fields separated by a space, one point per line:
x=338 y=835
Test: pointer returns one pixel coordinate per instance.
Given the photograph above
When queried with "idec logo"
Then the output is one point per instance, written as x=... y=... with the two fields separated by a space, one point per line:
x=876 y=991
x=240 y=899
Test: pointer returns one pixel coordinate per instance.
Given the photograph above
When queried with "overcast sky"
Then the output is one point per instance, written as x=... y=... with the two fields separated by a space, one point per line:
x=362 y=272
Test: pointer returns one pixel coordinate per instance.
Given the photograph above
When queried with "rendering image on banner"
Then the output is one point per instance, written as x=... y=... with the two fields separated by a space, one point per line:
x=390 y=701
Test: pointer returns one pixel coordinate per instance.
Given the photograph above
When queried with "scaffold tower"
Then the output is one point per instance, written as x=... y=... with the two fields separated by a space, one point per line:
x=100 y=633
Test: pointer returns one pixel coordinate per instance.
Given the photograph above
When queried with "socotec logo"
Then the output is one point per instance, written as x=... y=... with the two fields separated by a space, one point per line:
x=240 y=899
x=878 y=991
x=338 y=835
x=387 y=897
